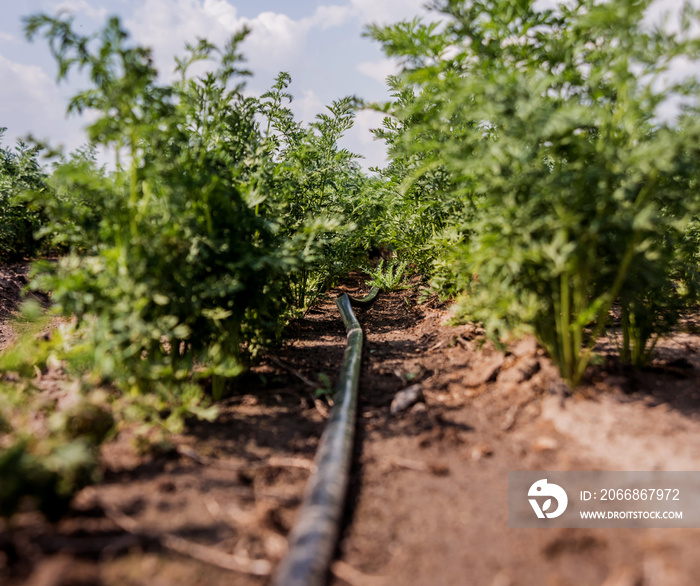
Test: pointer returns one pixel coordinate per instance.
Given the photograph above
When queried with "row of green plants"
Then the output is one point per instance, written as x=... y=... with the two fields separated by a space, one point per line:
x=530 y=176
x=20 y=172
x=528 y=169
x=538 y=180
x=222 y=218
x=49 y=449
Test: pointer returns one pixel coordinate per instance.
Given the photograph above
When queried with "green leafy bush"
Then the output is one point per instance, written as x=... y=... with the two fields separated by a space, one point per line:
x=19 y=172
x=212 y=231
x=181 y=263
x=179 y=269
x=80 y=196
x=419 y=195
x=390 y=276
x=319 y=198
x=573 y=193
x=49 y=479
x=48 y=441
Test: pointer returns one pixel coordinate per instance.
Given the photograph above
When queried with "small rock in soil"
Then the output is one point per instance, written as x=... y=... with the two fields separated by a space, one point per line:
x=481 y=451
x=166 y=486
x=439 y=468
x=624 y=577
x=419 y=409
x=522 y=371
x=406 y=398
x=483 y=371
x=510 y=417
x=525 y=347
x=545 y=443
x=421 y=418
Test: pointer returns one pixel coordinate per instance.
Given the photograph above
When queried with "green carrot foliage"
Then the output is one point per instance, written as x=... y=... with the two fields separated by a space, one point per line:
x=573 y=194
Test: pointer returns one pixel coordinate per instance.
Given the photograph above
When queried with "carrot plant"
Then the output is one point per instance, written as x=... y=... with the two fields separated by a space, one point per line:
x=574 y=194
x=321 y=200
x=181 y=271
x=224 y=216
x=20 y=171
x=388 y=277
x=73 y=210
x=417 y=192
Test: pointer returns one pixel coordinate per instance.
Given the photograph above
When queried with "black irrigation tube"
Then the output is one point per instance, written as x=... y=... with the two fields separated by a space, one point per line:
x=366 y=301
x=313 y=538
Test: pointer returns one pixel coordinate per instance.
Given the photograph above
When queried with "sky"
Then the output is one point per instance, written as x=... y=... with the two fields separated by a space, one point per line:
x=319 y=42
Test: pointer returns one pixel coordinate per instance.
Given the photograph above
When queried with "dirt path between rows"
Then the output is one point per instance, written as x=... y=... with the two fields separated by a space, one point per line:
x=428 y=500
x=13 y=278
x=431 y=487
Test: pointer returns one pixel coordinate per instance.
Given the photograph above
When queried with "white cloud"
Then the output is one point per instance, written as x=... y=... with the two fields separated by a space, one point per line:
x=222 y=12
x=30 y=102
x=379 y=70
x=5 y=37
x=306 y=107
x=387 y=11
x=166 y=25
x=275 y=41
x=329 y=16
x=81 y=7
x=366 y=120
x=275 y=35
x=360 y=140
x=20 y=83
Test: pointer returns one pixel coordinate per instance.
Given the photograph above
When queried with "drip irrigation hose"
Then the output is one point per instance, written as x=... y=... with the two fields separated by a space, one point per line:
x=313 y=538
x=366 y=301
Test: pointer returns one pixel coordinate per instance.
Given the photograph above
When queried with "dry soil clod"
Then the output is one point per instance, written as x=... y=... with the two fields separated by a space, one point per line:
x=405 y=399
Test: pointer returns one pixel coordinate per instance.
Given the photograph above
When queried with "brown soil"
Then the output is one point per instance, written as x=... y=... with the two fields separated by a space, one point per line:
x=13 y=280
x=428 y=496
